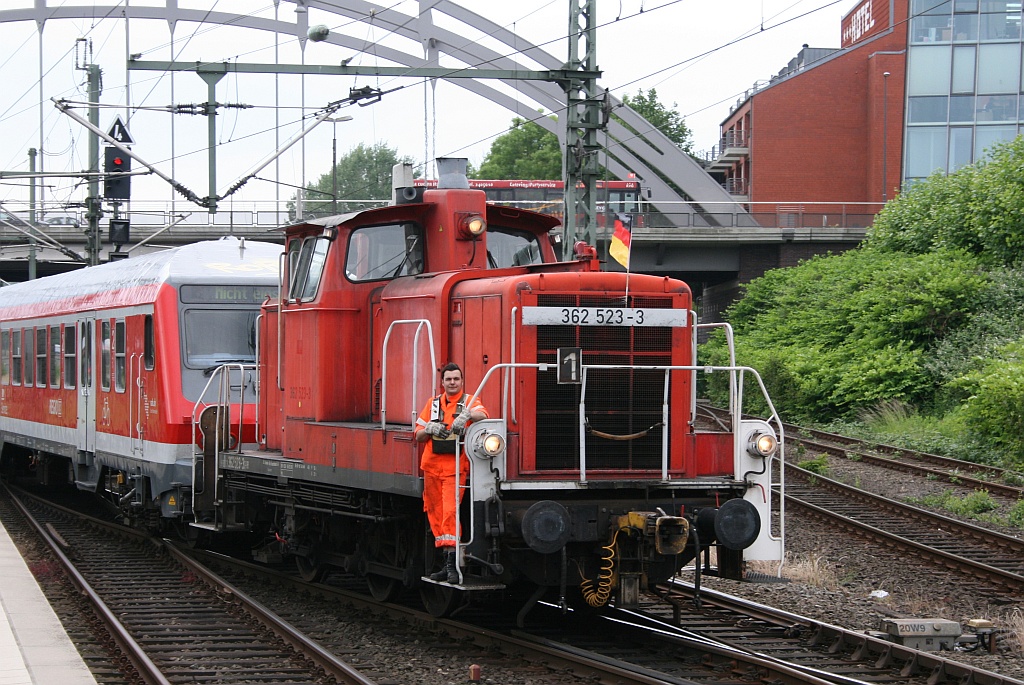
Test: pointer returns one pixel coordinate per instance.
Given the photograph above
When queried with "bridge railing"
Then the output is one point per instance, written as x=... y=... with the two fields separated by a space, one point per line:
x=653 y=214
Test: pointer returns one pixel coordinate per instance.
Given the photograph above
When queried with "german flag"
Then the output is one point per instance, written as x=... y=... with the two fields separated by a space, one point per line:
x=619 y=249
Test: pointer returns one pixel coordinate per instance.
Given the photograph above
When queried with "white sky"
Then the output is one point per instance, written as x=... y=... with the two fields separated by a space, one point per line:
x=660 y=48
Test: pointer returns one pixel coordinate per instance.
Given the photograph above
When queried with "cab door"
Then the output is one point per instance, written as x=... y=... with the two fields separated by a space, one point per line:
x=86 y=391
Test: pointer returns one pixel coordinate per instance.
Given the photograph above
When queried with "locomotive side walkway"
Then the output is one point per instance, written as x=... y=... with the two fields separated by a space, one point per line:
x=34 y=648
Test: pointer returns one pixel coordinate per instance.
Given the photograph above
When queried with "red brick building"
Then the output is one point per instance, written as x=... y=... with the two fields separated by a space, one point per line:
x=825 y=135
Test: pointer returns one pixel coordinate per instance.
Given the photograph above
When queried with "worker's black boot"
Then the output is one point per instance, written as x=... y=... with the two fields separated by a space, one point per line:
x=453 y=568
x=443 y=574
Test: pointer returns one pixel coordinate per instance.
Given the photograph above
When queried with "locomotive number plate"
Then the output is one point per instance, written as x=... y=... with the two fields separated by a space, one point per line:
x=602 y=316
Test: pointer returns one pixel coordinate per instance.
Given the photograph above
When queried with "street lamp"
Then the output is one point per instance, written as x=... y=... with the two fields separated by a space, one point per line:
x=334 y=158
x=885 y=130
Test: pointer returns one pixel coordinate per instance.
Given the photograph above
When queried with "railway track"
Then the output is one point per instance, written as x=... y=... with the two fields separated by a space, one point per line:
x=997 y=481
x=174 y=621
x=838 y=655
x=983 y=555
x=657 y=645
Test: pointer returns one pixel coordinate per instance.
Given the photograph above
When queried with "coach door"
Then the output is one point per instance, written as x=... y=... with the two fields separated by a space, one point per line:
x=86 y=391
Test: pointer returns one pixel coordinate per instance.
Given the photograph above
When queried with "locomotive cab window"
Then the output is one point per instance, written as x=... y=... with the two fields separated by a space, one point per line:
x=5 y=357
x=387 y=251
x=308 y=268
x=511 y=247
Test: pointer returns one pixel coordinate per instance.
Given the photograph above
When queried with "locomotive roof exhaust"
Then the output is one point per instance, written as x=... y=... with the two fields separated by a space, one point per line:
x=451 y=173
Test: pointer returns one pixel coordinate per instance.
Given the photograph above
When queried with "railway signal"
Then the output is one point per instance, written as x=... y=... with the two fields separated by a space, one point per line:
x=116 y=182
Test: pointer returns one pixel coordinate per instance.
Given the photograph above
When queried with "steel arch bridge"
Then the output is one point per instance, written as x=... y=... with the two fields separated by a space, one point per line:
x=672 y=175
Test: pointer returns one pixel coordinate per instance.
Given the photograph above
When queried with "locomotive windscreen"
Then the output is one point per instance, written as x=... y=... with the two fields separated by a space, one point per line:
x=619 y=402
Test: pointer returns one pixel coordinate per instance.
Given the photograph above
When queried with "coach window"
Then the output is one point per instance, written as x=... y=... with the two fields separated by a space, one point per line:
x=119 y=356
x=55 y=355
x=16 y=357
x=86 y=358
x=41 y=357
x=149 y=344
x=389 y=251
x=29 y=365
x=105 y=355
x=69 y=355
x=5 y=357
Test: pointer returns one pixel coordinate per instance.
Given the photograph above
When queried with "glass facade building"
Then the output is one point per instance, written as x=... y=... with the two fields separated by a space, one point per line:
x=964 y=85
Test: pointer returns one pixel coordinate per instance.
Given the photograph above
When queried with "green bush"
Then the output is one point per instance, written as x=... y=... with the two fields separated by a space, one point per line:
x=818 y=465
x=994 y=408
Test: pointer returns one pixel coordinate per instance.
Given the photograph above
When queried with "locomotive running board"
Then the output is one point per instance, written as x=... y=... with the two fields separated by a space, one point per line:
x=468 y=584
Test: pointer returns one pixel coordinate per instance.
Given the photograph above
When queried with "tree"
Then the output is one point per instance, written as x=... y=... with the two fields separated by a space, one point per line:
x=364 y=173
x=977 y=208
x=527 y=150
x=668 y=121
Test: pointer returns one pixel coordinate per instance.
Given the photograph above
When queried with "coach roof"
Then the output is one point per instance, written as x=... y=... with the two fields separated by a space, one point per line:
x=138 y=279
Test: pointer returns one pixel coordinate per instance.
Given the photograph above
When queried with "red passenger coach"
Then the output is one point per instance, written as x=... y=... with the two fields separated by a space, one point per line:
x=103 y=369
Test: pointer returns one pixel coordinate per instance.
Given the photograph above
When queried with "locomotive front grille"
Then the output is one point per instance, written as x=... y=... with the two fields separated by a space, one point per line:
x=619 y=402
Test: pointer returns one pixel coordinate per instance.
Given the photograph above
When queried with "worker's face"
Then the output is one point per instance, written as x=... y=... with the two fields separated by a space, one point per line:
x=452 y=382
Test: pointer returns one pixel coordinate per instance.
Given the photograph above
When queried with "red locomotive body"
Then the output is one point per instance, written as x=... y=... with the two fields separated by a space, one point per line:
x=590 y=478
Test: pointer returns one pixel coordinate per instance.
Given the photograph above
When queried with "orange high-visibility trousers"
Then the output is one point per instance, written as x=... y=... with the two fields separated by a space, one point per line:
x=439 y=503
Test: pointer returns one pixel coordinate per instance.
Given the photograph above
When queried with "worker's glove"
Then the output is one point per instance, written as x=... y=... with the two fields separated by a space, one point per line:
x=437 y=429
x=459 y=424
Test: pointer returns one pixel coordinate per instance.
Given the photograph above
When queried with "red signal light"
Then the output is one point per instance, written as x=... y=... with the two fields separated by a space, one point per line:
x=118 y=161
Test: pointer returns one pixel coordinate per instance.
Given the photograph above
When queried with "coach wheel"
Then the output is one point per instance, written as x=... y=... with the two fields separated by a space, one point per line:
x=382 y=588
x=311 y=570
x=438 y=600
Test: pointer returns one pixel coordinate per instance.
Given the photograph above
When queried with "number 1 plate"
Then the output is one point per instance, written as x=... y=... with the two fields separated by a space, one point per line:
x=602 y=316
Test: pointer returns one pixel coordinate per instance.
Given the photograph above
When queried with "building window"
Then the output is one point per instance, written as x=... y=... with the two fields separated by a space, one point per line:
x=120 y=360
x=963 y=69
x=927 y=110
x=987 y=136
x=965 y=28
x=69 y=355
x=961 y=147
x=998 y=69
x=926 y=151
x=105 y=355
x=55 y=355
x=1001 y=25
x=928 y=69
x=996 y=108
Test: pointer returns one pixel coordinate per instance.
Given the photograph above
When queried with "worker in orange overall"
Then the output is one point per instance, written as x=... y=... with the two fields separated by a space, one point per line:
x=442 y=420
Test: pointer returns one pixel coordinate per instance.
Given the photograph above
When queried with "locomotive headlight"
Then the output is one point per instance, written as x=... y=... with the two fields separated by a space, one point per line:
x=472 y=226
x=762 y=444
x=490 y=444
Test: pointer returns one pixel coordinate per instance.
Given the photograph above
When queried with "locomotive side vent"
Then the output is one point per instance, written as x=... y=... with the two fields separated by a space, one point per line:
x=619 y=402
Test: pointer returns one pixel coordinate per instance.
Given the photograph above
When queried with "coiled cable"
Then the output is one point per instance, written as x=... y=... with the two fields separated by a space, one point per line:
x=596 y=592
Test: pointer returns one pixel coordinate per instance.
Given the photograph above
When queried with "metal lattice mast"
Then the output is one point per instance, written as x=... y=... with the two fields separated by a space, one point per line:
x=583 y=121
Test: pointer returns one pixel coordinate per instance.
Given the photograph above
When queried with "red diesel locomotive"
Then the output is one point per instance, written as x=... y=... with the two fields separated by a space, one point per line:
x=594 y=477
